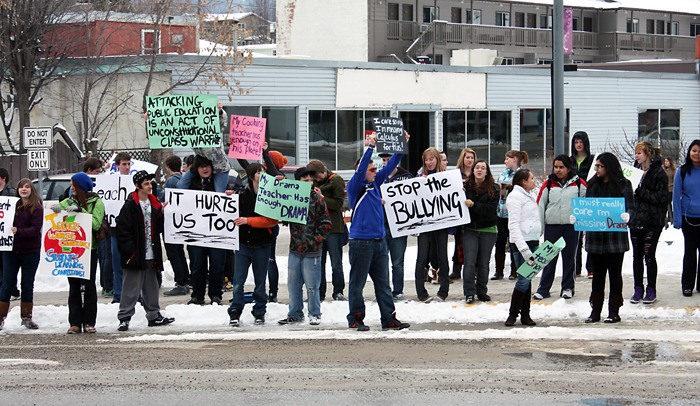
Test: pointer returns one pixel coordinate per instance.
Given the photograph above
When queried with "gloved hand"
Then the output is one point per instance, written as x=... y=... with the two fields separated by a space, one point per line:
x=56 y=208
x=625 y=217
x=572 y=219
x=73 y=209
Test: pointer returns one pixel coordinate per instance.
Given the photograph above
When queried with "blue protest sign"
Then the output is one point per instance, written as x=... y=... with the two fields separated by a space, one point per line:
x=598 y=213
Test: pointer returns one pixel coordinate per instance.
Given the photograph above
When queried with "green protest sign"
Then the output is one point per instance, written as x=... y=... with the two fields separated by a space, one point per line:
x=284 y=200
x=187 y=121
x=544 y=254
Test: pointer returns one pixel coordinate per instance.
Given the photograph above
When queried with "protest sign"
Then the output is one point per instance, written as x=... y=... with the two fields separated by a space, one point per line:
x=424 y=204
x=113 y=190
x=284 y=200
x=7 y=218
x=136 y=166
x=543 y=255
x=247 y=137
x=390 y=137
x=598 y=213
x=203 y=219
x=634 y=175
x=66 y=244
x=185 y=121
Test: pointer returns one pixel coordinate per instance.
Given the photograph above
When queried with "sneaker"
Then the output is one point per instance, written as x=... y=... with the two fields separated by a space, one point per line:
x=590 y=274
x=14 y=297
x=259 y=320
x=339 y=297
x=497 y=277
x=537 y=296
x=160 y=321
x=195 y=301
x=178 y=290
x=314 y=321
x=425 y=298
x=439 y=298
x=123 y=325
x=483 y=298
x=567 y=294
x=234 y=318
x=216 y=300
x=272 y=297
x=687 y=292
x=637 y=297
x=228 y=286
x=115 y=301
x=90 y=329
x=108 y=293
x=398 y=297
x=470 y=299
x=74 y=330
x=358 y=323
x=288 y=320
x=650 y=296
x=395 y=324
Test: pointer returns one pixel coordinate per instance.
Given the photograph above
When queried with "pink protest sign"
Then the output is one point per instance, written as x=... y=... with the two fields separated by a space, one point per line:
x=247 y=137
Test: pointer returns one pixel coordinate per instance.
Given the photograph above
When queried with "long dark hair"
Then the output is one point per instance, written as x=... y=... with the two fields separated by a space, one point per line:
x=520 y=177
x=616 y=179
x=688 y=164
x=80 y=196
x=488 y=185
x=33 y=201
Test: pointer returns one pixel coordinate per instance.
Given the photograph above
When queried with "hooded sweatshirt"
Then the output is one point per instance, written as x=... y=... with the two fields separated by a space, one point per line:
x=582 y=167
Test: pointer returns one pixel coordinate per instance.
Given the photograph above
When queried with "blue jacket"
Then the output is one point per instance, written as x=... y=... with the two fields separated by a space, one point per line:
x=686 y=196
x=366 y=198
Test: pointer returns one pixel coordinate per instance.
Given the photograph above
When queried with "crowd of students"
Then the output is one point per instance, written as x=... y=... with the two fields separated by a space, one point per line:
x=501 y=211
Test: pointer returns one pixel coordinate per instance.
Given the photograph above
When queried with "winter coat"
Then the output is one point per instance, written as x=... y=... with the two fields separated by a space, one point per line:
x=523 y=224
x=670 y=174
x=95 y=207
x=170 y=183
x=333 y=189
x=306 y=239
x=651 y=198
x=609 y=242
x=258 y=232
x=554 y=199
x=584 y=167
x=8 y=191
x=401 y=174
x=483 y=212
x=131 y=233
x=686 y=195
x=505 y=180
x=27 y=239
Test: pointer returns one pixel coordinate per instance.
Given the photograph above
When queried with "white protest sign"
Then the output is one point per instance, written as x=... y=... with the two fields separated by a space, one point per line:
x=66 y=244
x=424 y=204
x=203 y=219
x=113 y=190
x=634 y=175
x=7 y=218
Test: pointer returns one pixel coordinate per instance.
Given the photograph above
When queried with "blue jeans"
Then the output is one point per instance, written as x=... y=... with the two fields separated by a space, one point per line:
x=552 y=232
x=258 y=258
x=11 y=264
x=104 y=255
x=273 y=274
x=522 y=284
x=117 y=273
x=477 y=254
x=207 y=265
x=303 y=271
x=220 y=181
x=369 y=257
x=397 y=251
x=333 y=245
x=176 y=256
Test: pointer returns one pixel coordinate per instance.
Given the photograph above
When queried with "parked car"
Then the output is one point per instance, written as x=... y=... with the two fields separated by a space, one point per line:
x=52 y=187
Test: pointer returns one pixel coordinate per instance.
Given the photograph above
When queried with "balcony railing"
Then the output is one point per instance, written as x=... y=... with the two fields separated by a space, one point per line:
x=674 y=45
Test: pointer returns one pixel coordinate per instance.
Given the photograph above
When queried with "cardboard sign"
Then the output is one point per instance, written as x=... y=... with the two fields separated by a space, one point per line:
x=247 y=137
x=634 y=175
x=203 y=219
x=8 y=205
x=113 y=190
x=598 y=213
x=544 y=254
x=424 y=204
x=186 y=121
x=390 y=136
x=284 y=200
x=66 y=244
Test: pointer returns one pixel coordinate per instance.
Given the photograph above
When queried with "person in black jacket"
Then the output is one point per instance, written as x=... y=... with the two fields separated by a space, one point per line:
x=650 y=203
x=481 y=233
x=581 y=155
x=139 y=225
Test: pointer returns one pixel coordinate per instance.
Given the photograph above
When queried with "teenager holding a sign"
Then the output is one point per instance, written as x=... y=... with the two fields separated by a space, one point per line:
x=650 y=206
x=607 y=249
x=432 y=163
x=583 y=160
x=514 y=159
x=524 y=230
x=686 y=215
x=479 y=235
x=25 y=254
x=7 y=190
x=554 y=202
x=464 y=164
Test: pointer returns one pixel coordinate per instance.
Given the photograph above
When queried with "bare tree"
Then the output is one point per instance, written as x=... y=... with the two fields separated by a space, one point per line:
x=264 y=8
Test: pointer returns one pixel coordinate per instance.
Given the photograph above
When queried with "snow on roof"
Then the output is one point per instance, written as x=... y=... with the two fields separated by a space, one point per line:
x=674 y=6
x=125 y=18
x=206 y=47
x=226 y=16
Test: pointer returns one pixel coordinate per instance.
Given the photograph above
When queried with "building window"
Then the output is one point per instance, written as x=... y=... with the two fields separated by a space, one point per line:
x=545 y=21
x=393 y=12
x=473 y=16
x=406 y=12
x=660 y=27
x=177 y=40
x=456 y=15
x=633 y=25
x=537 y=136
x=281 y=131
x=241 y=26
x=574 y=24
x=322 y=136
x=531 y=20
x=502 y=19
x=488 y=133
x=430 y=14
x=519 y=20
x=150 y=42
x=588 y=24
x=507 y=61
x=650 y=26
x=672 y=28
x=662 y=128
x=694 y=30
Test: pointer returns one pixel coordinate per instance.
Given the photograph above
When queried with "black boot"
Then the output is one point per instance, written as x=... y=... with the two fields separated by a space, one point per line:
x=456 y=271
x=525 y=309
x=596 y=302
x=614 y=303
x=515 y=304
x=513 y=269
x=500 y=264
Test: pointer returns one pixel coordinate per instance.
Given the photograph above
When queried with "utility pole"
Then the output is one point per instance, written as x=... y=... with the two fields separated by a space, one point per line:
x=558 y=110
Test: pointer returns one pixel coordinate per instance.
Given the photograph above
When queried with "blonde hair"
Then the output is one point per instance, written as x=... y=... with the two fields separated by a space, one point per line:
x=460 y=161
x=648 y=149
x=432 y=152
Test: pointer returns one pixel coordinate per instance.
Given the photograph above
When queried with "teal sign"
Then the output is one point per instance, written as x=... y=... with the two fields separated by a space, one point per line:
x=598 y=213
x=544 y=254
x=284 y=200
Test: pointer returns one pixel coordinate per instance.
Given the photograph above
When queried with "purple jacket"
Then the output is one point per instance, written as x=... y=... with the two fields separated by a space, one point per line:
x=28 y=236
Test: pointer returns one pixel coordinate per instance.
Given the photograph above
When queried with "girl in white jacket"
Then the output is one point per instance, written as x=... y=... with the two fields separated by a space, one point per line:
x=525 y=229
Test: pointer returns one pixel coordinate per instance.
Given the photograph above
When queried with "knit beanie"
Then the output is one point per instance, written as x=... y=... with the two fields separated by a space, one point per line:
x=279 y=159
x=83 y=181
